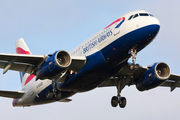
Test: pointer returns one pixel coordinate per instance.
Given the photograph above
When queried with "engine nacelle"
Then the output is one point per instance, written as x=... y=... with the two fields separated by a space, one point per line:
x=54 y=65
x=157 y=74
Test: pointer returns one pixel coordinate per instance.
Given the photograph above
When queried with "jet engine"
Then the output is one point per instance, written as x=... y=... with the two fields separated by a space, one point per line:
x=54 y=65
x=156 y=74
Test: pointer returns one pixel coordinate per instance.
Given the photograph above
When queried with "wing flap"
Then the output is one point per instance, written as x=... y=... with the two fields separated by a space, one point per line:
x=11 y=94
x=17 y=67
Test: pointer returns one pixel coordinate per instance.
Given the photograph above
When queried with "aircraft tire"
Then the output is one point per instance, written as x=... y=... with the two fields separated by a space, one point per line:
x=114 y=101
x=58 y=96
x=49 y=94
x=122 y=102
x=136 y=67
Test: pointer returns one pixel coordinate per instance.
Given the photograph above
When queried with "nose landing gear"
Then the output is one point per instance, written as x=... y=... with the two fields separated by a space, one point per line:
x=133 y=54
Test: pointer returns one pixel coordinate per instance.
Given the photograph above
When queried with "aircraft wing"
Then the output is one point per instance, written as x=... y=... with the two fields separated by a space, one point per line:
x=27 y=62
x=20 y=62
x=12 y=94
x=125 y=72
x=173 y=82
x=130 y=77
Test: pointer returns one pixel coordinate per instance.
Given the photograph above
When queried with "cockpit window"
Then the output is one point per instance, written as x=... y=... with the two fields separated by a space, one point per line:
x=130 y=17
x=143 y=14
x=151 y=15
x=139 y=14
x=136 y=15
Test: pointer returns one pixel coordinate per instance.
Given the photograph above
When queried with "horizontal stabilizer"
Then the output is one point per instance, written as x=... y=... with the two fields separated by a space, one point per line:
x=12 y=94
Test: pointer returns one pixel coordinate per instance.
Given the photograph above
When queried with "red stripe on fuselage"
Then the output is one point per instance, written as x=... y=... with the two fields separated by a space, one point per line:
x=123 y=18
x=21 y=51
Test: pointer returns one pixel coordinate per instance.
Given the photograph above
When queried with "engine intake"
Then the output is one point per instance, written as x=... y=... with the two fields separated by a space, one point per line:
x=162 y=71
x=157 y=74
x=63 y=59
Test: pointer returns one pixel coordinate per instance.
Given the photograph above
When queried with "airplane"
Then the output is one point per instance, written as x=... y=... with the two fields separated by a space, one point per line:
x=100 y=61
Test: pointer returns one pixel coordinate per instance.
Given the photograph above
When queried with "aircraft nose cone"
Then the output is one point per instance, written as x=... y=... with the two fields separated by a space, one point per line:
x=148 y=33
x=156 y=21
x=153 y=27
x=156 y=24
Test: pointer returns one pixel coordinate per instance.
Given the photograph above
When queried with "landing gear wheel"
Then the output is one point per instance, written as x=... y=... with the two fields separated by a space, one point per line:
x=122 y=102
x=134 y=66
x=58 y=96
x=49 y=94
x=114 y=101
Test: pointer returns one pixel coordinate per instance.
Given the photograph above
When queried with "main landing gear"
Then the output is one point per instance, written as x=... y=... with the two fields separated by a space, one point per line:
x=133 y=54
x=120 y=84
x=53 y=93
x=117 y=99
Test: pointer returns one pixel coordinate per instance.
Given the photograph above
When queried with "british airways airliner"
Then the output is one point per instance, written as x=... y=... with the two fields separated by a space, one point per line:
x=100 y=61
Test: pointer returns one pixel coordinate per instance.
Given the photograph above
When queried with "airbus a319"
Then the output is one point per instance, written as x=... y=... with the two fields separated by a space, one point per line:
x=100 y=61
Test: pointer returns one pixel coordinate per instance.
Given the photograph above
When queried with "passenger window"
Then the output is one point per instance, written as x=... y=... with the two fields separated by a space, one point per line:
x=136 y=15
x=143 y=14
x=130 y=17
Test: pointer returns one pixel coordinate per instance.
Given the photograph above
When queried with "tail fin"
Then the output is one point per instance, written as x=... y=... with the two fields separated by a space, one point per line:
x=22 y=48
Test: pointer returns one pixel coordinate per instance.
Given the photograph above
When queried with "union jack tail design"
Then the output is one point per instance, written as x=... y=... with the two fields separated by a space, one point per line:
x=22 y=48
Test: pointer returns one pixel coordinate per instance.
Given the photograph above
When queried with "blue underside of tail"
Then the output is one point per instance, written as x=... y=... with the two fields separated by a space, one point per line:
x=21 y=75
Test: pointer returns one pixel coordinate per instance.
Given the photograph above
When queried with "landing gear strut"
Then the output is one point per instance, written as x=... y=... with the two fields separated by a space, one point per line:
x=133 y=54
x=53 y=93
x=120 y=84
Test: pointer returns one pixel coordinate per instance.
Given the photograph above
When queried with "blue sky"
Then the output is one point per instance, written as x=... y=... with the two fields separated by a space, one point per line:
x=47 y=26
